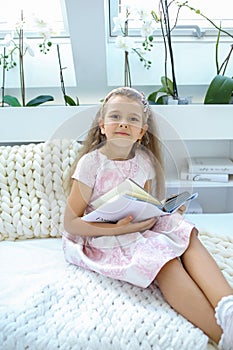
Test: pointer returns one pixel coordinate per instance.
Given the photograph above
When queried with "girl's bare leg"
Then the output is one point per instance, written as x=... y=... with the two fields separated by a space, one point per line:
x=205 y=272
x=184 y=295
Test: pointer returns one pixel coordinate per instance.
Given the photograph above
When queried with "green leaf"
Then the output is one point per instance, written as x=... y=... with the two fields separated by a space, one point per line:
x=70 y=101
x=152 y=97
x=11 y=101
x=39 y=100
x=167 y=87
x=161 y=100
x=219 y=91
x=167 y=84
x=162 y=89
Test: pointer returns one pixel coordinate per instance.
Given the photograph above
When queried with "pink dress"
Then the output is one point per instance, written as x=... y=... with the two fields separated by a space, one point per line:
x=135 y=257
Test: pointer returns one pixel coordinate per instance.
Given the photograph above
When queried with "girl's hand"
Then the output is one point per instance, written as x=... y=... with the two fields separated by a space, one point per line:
x=126 y=225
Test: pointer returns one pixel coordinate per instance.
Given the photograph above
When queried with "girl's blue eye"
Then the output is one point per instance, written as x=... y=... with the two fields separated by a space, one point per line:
x=134 y=119
x=115 y=116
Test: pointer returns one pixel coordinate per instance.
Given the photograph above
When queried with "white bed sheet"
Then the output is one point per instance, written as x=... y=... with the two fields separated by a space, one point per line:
x=213 y=223
x=28 y=265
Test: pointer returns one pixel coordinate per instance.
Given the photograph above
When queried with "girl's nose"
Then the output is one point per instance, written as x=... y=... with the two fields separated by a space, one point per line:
x=123 y=124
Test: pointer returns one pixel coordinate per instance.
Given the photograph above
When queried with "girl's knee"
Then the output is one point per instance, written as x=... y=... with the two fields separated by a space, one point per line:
x=168 y=268
x=194 y=233
x=193 y=238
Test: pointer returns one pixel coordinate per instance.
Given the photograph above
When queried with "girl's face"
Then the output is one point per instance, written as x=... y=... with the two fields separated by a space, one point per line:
x=123 y=121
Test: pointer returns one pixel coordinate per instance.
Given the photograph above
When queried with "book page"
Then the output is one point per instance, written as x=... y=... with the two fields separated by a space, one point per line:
x=123 y=206
x=128 y=187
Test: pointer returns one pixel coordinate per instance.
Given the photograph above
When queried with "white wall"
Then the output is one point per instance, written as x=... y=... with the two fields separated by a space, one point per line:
x=87 y=29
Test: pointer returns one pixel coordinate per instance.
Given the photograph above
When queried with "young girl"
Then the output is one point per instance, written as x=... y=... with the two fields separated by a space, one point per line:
x=123 y=143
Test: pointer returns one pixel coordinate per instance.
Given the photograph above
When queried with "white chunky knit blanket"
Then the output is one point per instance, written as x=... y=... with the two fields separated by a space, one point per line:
x=33 y=188
x=84 y=310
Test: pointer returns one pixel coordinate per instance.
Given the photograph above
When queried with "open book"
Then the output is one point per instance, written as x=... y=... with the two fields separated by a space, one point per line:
x=128 y=198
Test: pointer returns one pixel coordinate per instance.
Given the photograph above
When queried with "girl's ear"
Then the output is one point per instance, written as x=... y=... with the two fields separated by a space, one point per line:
x=101 y=125
x=144 y=129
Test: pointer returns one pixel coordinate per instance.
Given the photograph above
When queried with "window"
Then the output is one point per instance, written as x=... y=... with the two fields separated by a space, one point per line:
x=193 y=39
x=189 y=23
x=40 y=70
x=52 y=12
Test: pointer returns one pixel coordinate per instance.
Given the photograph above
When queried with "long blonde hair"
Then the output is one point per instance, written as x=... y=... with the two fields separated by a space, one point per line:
x=150 y=140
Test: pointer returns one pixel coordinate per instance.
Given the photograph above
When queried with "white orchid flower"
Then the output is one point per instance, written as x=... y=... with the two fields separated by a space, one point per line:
x=144 y=14
x=28 y=48
x=124 y=42
x=46 y=34
x=7 y=40
x=40 y=23
x=147 y=28
x=119 y=23
x=44 y=29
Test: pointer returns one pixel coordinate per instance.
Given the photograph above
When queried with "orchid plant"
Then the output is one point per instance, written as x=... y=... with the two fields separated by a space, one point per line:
x=220 y=89
x=127 y=44
x=16 y=43
x=169 y=86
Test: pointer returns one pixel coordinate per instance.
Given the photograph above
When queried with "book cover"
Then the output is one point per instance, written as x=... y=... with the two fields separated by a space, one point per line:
x=140 y=205
x=218 y=165
x=209 y=177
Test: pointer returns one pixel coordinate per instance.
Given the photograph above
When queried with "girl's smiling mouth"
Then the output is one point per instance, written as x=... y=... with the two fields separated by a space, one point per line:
x=122 y=133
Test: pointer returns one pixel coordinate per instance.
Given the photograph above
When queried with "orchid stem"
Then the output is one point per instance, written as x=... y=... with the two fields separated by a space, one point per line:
x=21 y=63
x=61 y=75
x=3 y=76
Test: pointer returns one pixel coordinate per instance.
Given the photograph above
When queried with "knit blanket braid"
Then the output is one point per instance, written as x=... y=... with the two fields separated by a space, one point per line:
x=85 y=310
x=33 y=188
x=221 y=248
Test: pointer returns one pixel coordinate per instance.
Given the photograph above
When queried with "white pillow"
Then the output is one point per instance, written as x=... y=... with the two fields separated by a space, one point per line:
x=33 y=188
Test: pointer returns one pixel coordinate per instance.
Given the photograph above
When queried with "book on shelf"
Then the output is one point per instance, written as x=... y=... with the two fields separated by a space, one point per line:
x=210 y=165
x=208 y=177
x=129 y=198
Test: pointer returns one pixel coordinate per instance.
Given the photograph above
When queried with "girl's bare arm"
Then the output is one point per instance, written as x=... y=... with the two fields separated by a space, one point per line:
x=76 y=205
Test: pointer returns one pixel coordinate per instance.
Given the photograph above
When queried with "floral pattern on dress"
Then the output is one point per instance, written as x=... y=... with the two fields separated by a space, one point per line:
x=115 y=263
x=111 y=176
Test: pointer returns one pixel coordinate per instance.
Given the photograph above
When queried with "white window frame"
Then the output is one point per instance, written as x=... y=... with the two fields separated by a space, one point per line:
x=195 y=29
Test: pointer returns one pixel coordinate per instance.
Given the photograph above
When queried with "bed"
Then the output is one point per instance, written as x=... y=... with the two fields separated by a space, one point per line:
x=46 y=303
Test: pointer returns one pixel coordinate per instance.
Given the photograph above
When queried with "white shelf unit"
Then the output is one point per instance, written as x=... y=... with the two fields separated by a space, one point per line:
x=206 y=130
x=193 y=130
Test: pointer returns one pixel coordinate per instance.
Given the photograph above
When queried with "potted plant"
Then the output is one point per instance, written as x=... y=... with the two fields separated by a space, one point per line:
x=20 y=46
x=125 y=42
x=161 y=95
x=220 y=89
x=169 y=86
